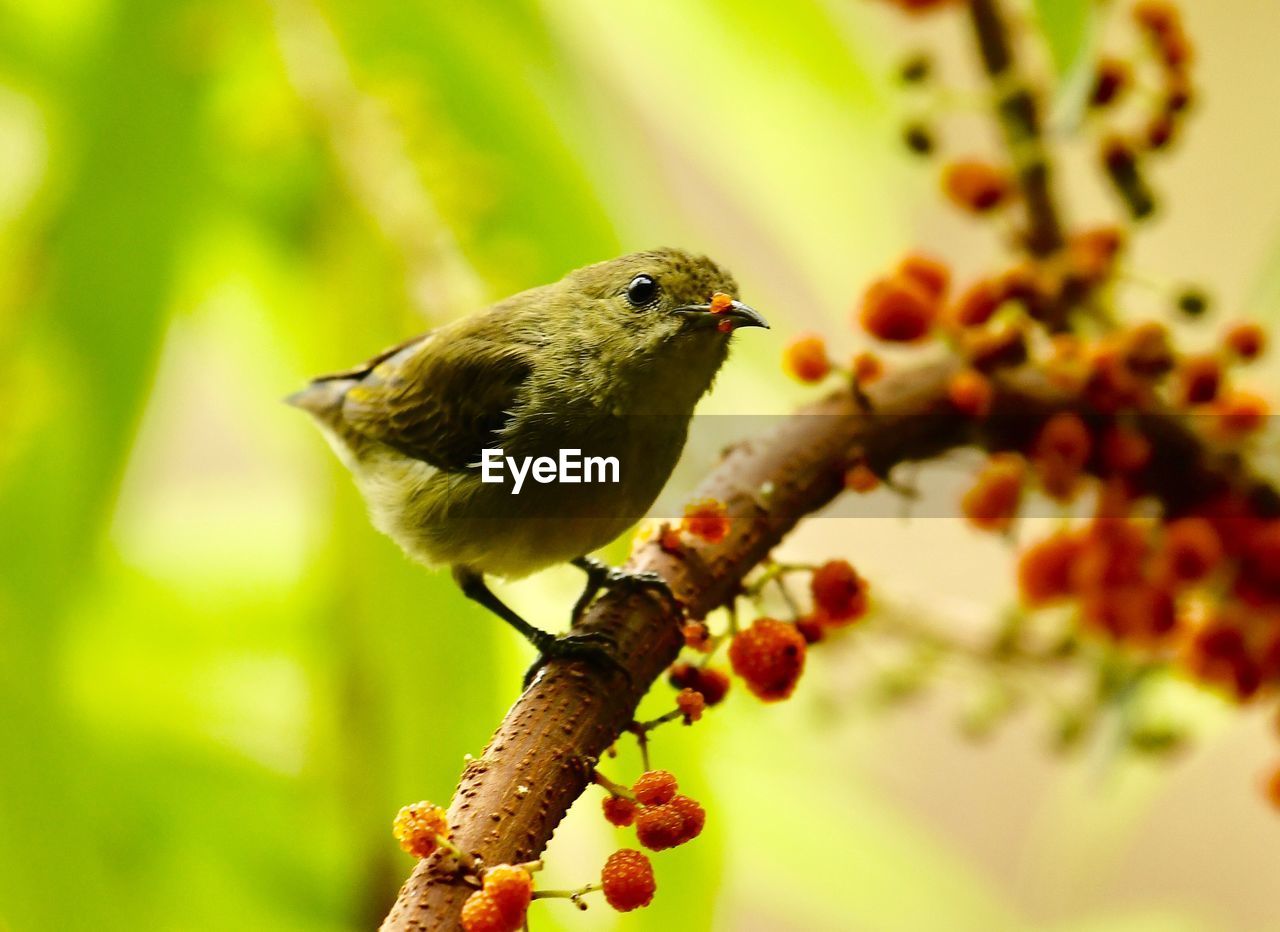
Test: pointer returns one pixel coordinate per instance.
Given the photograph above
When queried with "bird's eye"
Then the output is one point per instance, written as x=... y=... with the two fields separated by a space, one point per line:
x=642 y=290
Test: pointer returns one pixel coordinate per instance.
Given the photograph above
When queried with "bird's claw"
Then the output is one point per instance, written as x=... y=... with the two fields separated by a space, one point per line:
x=602 y=576
x=597 y=648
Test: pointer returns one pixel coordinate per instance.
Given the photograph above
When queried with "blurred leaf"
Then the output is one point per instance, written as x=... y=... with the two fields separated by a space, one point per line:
x=1066 y=25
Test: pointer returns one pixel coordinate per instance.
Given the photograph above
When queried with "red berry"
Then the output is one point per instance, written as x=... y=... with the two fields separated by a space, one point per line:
x=691 y=705
x=898 y=309
x=839 y=591
x=1192 y=550
x=619 y=810
x=1246 y=340
x=511 y=889
x=655 y=787
x=481 y=914
x=697 y=636
x=628 y=881
x=695 y=817
x=975 y=306
x=707 y=519
x=1044 y=569
x=867 y=367
x=659 y=827
x=993 y=501
x=712 y=683
x=971 y=393
x=929 y=273
x=861 y=478
x=769 y=656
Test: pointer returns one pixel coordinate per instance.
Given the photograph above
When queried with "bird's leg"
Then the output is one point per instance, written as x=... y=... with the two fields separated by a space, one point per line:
x=592 y=646
x=602 y=576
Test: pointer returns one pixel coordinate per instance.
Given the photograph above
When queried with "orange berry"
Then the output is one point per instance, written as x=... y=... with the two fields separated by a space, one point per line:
x=1238 y=414
x=812 y=627
x=867 y=367
x=707 y=519
x=1125 y=450
x=992 y=502
x=976 y=186
x=1199 y=380
x=695 y=817
x=898 y=310
x=971 y=393
x=1259 y=579
x=1145 y=350
x=697 y=636
x=978 y=303
x=838 y=591
x=627 y=879
x=769 y=656
x=481 y=914
x=1060 y=451
x=654 y=787
x=419 y=827
x=1044 y=569
x=805 y=358
x=511 y=889
x=1246 y=340
x=1064 y=437
x=691 y=705
x=618 y=810
x=1140 y=612
x=1092 y=253
x=929 y=273
x=660 y=827
x=1112 y=554
x=861 y=478
x=1272 y=787
x=720 y=303
x=1192 y=550
x=1219 y=653
x=712 y=683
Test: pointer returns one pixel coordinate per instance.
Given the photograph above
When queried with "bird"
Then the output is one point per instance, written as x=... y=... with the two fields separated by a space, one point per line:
x=607 y=363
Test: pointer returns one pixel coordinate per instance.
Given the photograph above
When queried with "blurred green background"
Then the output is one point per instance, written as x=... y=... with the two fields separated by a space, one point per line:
x=218 y=683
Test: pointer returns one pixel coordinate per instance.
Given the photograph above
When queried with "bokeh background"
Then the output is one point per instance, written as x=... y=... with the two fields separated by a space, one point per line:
x=218 y=683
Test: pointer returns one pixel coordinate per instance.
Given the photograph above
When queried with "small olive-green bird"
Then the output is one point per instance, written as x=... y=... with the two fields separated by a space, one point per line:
x=605 y=365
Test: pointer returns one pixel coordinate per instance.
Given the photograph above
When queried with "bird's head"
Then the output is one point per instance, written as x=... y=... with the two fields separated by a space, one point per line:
x=664 y=297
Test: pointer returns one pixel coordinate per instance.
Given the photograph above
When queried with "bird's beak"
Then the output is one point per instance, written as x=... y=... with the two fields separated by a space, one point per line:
x=719 y=312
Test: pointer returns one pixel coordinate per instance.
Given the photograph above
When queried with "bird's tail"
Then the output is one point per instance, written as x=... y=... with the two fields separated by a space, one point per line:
x=322 y=399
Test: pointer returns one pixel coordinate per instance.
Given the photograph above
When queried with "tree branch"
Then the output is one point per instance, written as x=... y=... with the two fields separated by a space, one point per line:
x=1020 y=123
x=539 y=761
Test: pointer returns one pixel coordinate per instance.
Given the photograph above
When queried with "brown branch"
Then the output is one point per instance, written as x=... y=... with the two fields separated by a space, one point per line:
x=511 y=799
x=1020 y=124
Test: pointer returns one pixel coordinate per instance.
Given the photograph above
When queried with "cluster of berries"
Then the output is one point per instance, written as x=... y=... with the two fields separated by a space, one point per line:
x=769 y=655
x=1183 y=574
x=663 y=818
x=978 y=186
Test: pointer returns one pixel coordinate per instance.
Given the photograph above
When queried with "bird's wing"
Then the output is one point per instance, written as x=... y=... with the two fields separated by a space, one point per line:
x=442 y=404
x=364 y=368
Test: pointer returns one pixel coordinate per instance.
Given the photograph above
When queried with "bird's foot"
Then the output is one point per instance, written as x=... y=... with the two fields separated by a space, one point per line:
x=602 y=576
x=594 y=647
